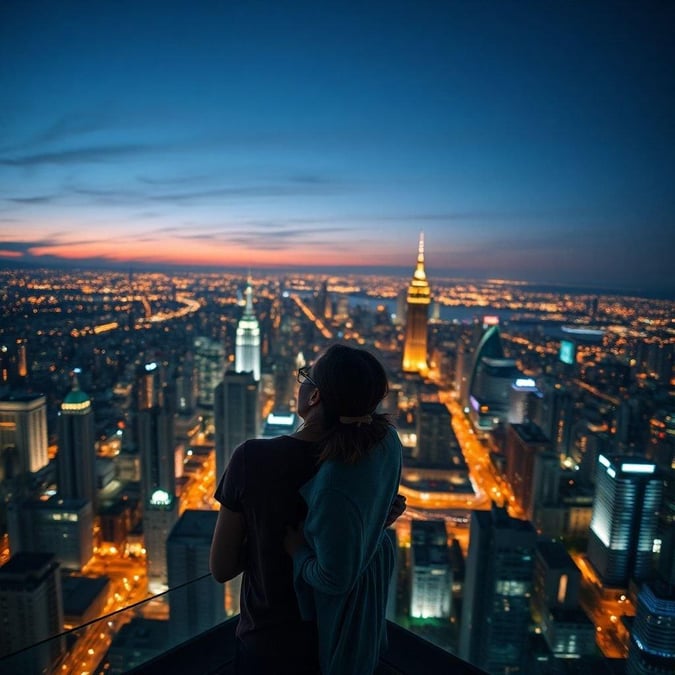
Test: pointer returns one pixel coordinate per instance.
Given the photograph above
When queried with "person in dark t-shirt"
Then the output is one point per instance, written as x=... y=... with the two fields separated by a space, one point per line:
x=259 y=497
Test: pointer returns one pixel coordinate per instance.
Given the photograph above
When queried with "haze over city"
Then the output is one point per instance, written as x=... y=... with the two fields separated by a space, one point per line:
x=527 y=140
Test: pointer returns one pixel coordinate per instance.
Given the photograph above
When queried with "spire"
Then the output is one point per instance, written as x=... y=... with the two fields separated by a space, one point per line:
x=419 y=273
x=249 y=296
x=76 y=381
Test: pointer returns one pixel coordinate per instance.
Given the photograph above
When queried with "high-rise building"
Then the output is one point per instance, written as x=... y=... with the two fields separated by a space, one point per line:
x=624 y=524
x=209 y=366
x=532 y=468
x=247 y=341
x=665 y=542
x=156 y=446
x=60 y=526
x=23 y=434
x=435 y=438
x=417 y=316
x=497 y=589
x=431 y=572
x=237 y=415
x=22 y=358
x=31 y=612
x=496 y=389
x=567 y=630
x=651 y=649
x=76 y=459
x=195 y=603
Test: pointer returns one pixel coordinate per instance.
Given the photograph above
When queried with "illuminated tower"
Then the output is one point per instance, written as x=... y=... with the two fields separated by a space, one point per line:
x=247 y=342
x=76 y=460
x=417 y=314
x=624 y=523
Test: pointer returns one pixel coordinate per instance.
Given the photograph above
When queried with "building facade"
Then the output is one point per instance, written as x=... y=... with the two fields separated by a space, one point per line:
x=628 y=493
x=237 y=415
x=23 y=434
x=497 y=589
x=196 y=604
x=76 y=459
x=32 y=612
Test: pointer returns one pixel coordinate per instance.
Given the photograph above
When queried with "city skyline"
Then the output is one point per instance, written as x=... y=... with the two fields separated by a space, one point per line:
x=528 y=142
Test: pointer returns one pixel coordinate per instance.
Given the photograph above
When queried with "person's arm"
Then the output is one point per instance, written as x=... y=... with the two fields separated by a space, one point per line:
x=227 y=545
x=332 y=559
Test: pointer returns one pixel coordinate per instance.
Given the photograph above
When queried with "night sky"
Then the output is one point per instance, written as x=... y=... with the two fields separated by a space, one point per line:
x=528 y=140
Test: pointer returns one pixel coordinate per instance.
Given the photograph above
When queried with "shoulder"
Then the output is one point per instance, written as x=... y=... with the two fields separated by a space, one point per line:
x=259 y=448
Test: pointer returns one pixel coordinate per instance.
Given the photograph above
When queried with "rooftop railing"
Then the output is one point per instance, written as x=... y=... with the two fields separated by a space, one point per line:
x=162 y=634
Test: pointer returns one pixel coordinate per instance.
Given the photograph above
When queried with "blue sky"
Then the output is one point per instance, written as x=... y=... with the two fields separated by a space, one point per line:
x=529 y=140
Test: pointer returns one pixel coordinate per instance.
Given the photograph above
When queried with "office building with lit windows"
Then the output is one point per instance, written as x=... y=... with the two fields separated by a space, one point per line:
x=23 y=434
x=31 y=612
x=651 y=649
x=431 y=572
x=76 y=459
x=236 y=415
x=63 y=527
x=247 y=340
x=417 y=317
x=621 y=544
x=567 y=630
x=532 y=469
x=497 y=589
x=209 y=361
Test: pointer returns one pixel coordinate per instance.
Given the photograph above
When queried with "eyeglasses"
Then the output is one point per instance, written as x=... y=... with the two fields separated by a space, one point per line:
x=303 y=376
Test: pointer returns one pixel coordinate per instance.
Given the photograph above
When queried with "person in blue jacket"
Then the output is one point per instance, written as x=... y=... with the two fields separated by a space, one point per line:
x=342 y=558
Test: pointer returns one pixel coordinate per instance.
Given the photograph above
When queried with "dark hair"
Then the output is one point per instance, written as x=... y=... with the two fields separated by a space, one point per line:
x=352 y=382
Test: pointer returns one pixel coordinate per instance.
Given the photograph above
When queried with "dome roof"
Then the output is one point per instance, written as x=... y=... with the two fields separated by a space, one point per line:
x=76 y=396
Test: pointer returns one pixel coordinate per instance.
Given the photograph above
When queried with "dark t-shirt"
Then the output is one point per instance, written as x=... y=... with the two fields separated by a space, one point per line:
x=262 y=482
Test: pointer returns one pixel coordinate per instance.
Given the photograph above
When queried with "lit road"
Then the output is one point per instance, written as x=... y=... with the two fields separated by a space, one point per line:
x=604 y=612
x=320 y=325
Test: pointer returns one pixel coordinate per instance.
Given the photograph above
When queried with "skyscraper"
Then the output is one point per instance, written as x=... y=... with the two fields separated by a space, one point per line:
x=247 y=342
x=196 y=604
x=237 y=415
x=624 y=524
x=435 y=437
x=156 y=446
x=32 y=612
x=23 y=434
x=497 y=589
x=417 y=316
x=209 y=366
x=652 y=645
x=532 y=468
x=431 y=573
x=76 y=459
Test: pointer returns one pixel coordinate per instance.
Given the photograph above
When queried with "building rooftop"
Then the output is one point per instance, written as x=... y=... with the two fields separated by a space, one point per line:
x=26 y=562
x=80 y=592
x=554 y=554
x=195 y=524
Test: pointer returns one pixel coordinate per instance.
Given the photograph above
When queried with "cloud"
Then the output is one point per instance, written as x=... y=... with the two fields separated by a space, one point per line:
x=67 y=127
x=101 y=153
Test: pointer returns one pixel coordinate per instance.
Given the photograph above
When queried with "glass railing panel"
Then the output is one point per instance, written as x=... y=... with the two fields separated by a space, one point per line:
x=124 y=639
